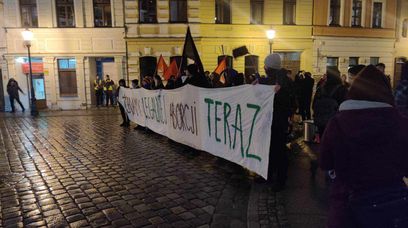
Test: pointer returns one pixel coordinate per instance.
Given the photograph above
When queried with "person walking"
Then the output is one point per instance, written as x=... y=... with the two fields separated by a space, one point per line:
x=98 y=88
x=401 y=92
x=12 y=89
x=328 y=97
x=306 y=92
x=108 y=88
x=365 y=146
x=125 y=117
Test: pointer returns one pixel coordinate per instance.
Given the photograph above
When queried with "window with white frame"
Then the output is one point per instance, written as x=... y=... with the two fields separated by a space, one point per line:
x=29 y=14
x=67 y=77
x=377 y=15
x=335 y=6
x=357 y=13
x=404 y=28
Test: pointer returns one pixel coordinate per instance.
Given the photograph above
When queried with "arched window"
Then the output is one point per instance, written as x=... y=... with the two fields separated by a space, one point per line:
x=251 y=64
x=229 y=60
x=147 y=66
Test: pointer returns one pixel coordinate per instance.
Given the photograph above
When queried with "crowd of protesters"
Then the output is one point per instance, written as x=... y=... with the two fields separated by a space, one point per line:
x=363 y=131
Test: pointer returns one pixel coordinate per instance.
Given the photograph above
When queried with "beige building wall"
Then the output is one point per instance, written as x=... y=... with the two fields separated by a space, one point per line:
x=82 y=43
x=167 y=38
x=401 y=46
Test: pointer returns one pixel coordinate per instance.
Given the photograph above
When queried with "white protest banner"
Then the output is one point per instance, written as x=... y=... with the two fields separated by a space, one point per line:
x=233 y=123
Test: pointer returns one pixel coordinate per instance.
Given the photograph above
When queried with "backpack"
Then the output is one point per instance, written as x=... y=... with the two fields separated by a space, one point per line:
x=325 y=108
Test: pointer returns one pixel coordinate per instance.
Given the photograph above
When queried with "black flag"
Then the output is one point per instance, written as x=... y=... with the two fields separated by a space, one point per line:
x=190 y=51
x=241 y=51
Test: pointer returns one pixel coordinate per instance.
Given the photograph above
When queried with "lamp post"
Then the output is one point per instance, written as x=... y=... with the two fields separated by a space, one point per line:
x=270 y=34
x=28 y=37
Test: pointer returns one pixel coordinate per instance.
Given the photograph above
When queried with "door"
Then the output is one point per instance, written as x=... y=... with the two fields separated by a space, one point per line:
x=39 y=90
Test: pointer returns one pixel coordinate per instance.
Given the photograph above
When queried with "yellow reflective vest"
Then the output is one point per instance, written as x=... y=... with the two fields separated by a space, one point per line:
x=98 y=84
x=108 y=85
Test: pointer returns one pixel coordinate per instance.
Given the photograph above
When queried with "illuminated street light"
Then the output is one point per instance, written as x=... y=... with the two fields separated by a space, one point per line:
x=28 y=37
x=270 y=34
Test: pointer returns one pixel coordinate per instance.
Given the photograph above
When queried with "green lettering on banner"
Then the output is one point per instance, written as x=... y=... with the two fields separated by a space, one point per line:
x=226 y=124
x=238 y=113
x=217 y=103
x=209 y=101
x=257 y=109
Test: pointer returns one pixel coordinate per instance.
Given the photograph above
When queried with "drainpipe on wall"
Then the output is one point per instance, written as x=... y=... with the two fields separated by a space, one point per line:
x=86 y=98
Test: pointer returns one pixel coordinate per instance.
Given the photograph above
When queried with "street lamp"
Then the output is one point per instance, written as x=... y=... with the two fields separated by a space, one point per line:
x=270 y=34
x=28 y=37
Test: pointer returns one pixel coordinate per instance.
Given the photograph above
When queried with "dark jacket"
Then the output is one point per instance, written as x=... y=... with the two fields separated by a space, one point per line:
x=367 y=148
x=307 y=85
x=198 y=80
x=12 y=90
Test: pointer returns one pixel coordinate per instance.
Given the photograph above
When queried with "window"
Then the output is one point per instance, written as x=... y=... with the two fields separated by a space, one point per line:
x=147 y=66
x=334 y=19
x=222 y=12
x=289 y=12
x=102 y=13
x=65 y=13
x=29 y=15
x=251 y=64
x=257 y=12
x=356 y=14
x=377 y=15
x=404 y=28
x=374 y=60
x=147 y=11
x=178 y=10
x=67 y=77
x=332 y=61
x=353 y=61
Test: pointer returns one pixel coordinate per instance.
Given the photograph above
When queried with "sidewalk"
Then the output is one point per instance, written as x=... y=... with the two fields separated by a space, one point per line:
x=302 y=204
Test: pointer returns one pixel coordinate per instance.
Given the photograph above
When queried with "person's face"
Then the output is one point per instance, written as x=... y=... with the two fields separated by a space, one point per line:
x=380 y=68
x=350 y=78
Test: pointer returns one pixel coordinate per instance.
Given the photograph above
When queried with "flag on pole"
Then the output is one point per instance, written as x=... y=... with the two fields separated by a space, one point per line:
x=161 y=65
x=221 y=66
x=241 y=51
x=172 y=70
x=190 y=51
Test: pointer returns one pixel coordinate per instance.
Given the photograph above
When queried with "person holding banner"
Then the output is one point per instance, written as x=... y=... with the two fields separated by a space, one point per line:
x=195 y=78
x=125 y=118
x=278 y=157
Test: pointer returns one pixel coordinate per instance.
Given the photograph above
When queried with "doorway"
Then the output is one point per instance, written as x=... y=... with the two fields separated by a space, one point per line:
x=39 y=90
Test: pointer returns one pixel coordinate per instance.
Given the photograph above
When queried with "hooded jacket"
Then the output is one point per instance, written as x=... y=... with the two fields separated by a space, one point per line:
x=365 y=143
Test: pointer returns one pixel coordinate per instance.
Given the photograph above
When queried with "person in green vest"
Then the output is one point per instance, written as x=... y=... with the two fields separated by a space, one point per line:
x=98 y=88
x=108 y=88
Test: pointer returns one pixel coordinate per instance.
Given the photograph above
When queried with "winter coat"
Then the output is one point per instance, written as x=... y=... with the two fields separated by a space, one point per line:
x=366 y=144
x=401 y=92
x=307 y=85
x=12 y=90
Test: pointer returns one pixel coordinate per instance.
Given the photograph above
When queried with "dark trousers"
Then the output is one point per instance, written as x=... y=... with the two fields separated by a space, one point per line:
x=304 y=109
x=109 y=97
x=278 y=158
x=125 y=117
x=13 y=109
x=99 y=97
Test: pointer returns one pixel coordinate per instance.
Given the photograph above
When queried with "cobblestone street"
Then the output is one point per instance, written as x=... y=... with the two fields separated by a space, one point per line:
x=80 y=170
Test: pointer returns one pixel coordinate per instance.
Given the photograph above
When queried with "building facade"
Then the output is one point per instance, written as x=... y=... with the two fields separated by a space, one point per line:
x=401 y=45
x=351 y=32
x=74 y=40
x=158 y=27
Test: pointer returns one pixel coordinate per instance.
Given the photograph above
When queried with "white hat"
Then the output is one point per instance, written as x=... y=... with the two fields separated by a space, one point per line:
x=273 y=61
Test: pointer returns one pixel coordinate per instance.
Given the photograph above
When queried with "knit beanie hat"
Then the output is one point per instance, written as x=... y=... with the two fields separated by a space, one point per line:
x=273 y=61
x=371 y=85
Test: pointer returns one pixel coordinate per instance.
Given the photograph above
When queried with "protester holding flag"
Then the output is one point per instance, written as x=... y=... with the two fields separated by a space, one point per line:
x=158 y=84
x=195 y=78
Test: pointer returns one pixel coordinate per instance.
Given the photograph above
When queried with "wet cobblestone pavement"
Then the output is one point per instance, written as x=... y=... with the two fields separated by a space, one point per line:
x=84 y=170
